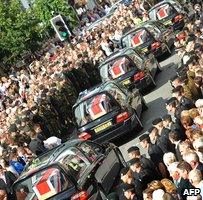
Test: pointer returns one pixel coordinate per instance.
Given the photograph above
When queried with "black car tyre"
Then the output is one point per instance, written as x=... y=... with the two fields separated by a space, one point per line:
x=168 y=50
x=153 y=83
x=144 y=105
x=158 y=68
x=103 y=196
x=140 y=124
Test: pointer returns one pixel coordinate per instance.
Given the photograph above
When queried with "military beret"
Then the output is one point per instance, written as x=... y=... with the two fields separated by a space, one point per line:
x=156 y=121
x=126 y=187
x=143 y=137
x=124 y=171
x=133 y=161
x=133 y=148
x=165 y=117
x=170 y=101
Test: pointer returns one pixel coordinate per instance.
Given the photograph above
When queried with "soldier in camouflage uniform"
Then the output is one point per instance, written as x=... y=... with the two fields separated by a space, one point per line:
x=91 y=71
x=51 y=116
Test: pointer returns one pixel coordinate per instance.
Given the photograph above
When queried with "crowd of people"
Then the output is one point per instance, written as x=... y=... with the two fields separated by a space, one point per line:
x=174 y=142
x=43 y=93
x=36 y=103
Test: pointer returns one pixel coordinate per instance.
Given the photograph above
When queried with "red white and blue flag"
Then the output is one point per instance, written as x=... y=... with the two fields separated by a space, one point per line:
x=117 y=68
x=48 y=185
x=138 y=39
x=97 y=108
x=163 y=12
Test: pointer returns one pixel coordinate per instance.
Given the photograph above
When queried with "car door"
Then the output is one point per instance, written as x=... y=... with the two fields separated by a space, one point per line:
x=108 y=172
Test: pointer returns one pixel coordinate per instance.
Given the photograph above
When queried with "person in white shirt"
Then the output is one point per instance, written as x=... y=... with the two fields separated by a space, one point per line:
x=105 y=47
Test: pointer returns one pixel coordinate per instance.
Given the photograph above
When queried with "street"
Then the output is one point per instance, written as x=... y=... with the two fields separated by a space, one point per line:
x=155 y=100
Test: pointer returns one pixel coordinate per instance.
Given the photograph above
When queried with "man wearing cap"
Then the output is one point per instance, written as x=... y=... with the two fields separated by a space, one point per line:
x=171 y=105
x=174 y=126
x=129 y=192
x=155 y=153
x=134 y=152
x=167 y=121
x=153 y=134
x=127 y=178
x=126 y=175
x=163 y=141
x=144 y=176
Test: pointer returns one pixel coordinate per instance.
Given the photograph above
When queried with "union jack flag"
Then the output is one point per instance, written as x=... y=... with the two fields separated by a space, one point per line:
x=97 y=108
x=117 y=68
x=163 y=12
x=48 y=185
x=138 y=39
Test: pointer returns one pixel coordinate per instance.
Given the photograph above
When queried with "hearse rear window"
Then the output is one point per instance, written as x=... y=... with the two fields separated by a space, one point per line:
x=116 y=68
x=42 y=185
x=93 y=108
x=136 y=38
x=161 y=12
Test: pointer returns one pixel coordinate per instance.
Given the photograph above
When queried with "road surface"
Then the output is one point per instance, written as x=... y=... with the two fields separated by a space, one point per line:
x=156 y=103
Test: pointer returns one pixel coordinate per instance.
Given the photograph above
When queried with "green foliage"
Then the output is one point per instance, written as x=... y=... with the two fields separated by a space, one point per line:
x=23 y=30
x=19 y=31
x=43 y=11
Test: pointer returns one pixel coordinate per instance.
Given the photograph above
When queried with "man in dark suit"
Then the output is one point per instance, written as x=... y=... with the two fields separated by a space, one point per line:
x=155 y=153
x=36 y=145
x=144 y=176
x=167 y=121
x=134 y=152
x=129 y=192
x=174 y=138
x=163 y=141
x=6 y=181
x=127 y=178
x=183 y=168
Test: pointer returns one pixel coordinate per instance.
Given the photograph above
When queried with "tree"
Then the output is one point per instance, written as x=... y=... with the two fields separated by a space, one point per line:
x=19 y=31
x=24 y=30
x=44 y=11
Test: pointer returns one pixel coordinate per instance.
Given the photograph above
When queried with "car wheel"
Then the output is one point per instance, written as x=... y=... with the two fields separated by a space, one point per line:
x=103 y=196
x=158 y=67
x=153 y=83
x=168 y=50
x=140 y=124
x=144 y=105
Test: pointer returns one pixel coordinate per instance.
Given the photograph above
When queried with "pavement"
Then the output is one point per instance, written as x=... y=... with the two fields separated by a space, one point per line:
x=155 y=100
